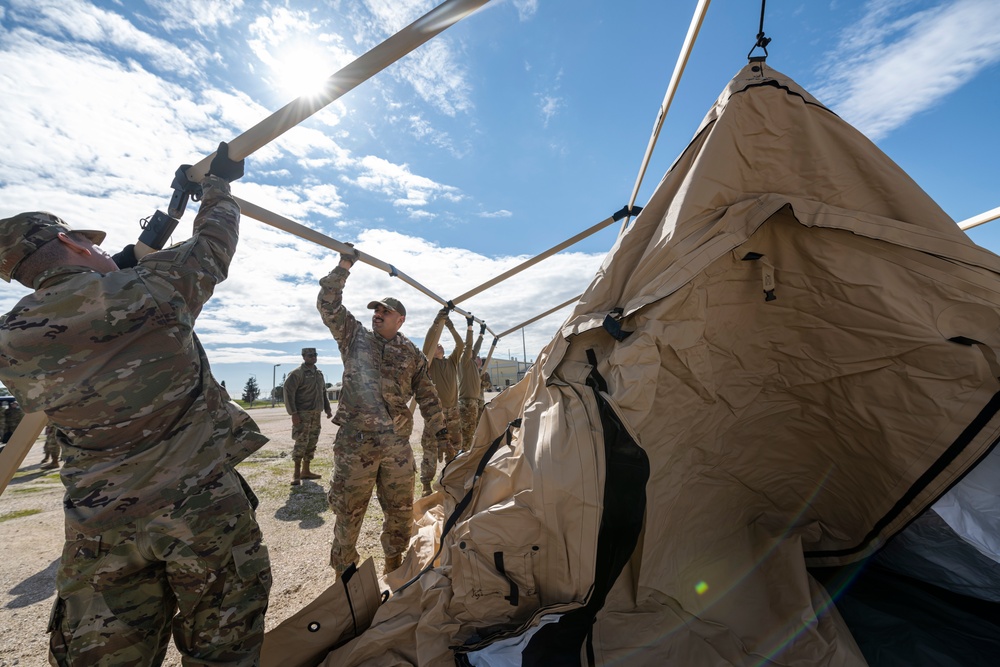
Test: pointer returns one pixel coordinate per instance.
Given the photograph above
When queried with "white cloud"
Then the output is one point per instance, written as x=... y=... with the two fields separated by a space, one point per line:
x=434 y=70
x=890 y=67
x=196 y=14
x=502 y=213
x=549 y=106
x=409 y=189
x=526 y=9
x=87 y=23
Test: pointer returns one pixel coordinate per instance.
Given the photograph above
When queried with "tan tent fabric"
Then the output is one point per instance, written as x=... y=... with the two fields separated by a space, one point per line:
x=811 y=363
x=341 y=612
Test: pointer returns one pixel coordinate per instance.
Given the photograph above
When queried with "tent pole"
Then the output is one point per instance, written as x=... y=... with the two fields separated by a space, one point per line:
x=535 y=260
x=675 y=79
x=538 y=317
x=346 y=79
x=270 y=218
x=980 y=219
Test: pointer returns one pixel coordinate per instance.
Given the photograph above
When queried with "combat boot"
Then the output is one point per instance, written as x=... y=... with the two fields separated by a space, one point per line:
x=306 y=473
x=393 y=563
x=427 y=490
x=298 y=473
x=54 y=463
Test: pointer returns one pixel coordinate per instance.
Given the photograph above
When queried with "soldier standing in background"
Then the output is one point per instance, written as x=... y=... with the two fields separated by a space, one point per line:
x=470 y=391
x=160 y=528
x=443 y=372
x=382 y=371
x=305 y=397
x=51 y=448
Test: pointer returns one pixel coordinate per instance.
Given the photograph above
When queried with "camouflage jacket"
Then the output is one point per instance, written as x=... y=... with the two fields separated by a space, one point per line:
x=114 y=363
x=380 y=376
x=470 y=384
x=305 y=391
x=444 y=374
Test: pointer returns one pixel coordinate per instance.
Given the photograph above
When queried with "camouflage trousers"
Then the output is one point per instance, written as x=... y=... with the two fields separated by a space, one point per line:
x=429 y=461
x=472 y=410
x=306 y=435
x=199 y=571
x=362 y=461
x=51 y=446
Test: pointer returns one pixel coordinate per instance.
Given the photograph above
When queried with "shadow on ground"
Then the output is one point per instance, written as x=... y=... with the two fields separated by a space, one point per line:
x=304 y=504
x=39 y=586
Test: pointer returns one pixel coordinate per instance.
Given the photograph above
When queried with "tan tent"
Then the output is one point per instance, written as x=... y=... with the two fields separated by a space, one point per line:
x=787 y=358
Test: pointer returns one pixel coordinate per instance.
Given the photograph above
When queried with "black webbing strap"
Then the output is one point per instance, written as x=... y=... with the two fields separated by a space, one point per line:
x=626 y=473
x=498 y=564
x=613 y=326
x=467 y=499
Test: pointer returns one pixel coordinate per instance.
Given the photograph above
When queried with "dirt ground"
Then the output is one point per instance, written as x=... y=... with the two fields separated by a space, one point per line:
x=296 y=521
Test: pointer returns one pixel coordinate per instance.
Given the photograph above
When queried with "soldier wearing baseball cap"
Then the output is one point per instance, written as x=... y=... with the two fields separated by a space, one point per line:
x=389 y=303
x=24 y=234
x=383 y=370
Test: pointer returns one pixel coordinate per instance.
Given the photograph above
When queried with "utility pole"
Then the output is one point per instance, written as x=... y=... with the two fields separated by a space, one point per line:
x=274 y=385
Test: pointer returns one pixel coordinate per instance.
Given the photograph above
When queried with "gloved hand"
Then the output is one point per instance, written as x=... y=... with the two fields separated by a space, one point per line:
x=470 y=320
x=351 y=257
x=226 y=169
x=482 y=328
x=126 y=258
x=442 y=314
x=442 y=435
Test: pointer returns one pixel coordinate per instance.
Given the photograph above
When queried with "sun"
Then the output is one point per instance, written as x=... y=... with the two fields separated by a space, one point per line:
x=302 y=70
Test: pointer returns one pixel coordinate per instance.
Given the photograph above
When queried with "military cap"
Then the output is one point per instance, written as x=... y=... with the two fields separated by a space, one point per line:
x=308 y=350
x=390 y=303
x=25 y=233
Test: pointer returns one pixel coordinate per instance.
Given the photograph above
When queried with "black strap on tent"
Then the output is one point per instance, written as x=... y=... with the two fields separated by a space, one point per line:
x=762 y=41
x=626 y=473
x=625 y=211
x=464 y=503
x=614 y=327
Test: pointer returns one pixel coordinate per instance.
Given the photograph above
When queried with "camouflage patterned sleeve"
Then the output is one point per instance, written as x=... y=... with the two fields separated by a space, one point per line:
x=467 y=352
x=479 y=344
x=197 y=265
x=330 y=304
x=427 y=397
x=289 y=392
x=456 y=354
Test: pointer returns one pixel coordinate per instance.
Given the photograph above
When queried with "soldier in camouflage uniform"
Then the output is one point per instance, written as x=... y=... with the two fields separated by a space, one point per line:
x=305 y=397
x=382 y=371
x=470 y=389
x=443 y=372
x=51 y=448
x=160 y=528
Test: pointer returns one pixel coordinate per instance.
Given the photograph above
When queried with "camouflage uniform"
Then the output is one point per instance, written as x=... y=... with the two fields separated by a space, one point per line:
x=51 y=447
x=157 y=519
x=444 y=375
x=470 y=392
x=305 y=395
x=372 y=446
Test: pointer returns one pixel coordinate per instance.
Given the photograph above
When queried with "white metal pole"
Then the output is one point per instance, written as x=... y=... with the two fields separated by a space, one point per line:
x=980 y=219
x=675 y=79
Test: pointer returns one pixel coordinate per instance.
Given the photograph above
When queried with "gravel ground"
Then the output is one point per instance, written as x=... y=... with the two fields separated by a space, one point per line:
x=296 y=521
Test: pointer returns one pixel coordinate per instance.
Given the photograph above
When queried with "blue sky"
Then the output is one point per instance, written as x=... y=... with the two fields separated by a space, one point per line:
x=515 y=129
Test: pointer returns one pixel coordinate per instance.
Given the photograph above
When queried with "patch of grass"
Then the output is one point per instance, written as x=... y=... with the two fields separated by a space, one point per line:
x=18 y=514
x=29 y=489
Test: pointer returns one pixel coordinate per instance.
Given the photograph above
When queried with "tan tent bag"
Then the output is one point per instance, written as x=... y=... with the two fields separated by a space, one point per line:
x=340 y=613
